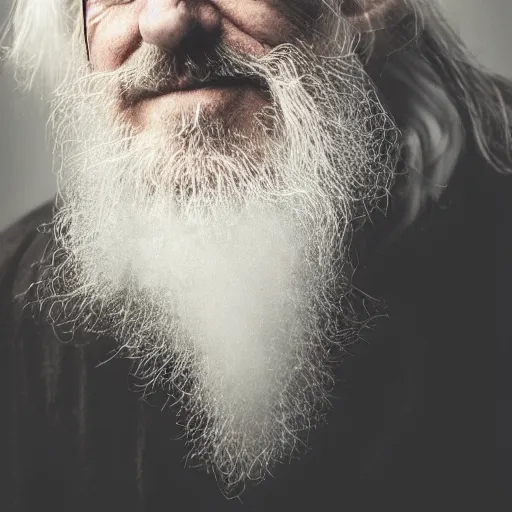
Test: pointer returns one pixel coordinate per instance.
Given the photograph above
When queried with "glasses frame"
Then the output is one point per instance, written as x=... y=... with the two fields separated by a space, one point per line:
x=84 y=15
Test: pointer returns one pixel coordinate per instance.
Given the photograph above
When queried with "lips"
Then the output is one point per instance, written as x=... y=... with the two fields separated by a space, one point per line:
x=182 y=85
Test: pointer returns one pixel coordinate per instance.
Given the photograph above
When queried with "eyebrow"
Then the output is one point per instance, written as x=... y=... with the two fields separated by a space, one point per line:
x=84 y=15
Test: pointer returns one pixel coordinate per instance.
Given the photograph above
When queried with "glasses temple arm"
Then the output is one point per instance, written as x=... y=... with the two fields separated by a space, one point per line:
x=84 y=14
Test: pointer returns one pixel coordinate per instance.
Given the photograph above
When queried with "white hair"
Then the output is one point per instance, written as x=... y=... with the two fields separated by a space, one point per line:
x=152 y=227
x=45 y=38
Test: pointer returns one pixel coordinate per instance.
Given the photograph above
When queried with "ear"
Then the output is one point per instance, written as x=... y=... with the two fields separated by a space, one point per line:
x=370 y=15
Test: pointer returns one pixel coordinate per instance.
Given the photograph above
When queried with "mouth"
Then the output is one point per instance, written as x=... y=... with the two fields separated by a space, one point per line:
x=186 y=85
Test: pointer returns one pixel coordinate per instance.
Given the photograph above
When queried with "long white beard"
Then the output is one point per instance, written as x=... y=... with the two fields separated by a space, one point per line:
x=217 y=262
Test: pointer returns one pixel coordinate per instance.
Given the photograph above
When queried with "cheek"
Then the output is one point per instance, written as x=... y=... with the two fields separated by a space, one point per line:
x=251 y=25
x=268 y=22
x=113 y=40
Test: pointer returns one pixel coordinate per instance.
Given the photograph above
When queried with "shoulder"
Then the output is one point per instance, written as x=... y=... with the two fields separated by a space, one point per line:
x=16 y=241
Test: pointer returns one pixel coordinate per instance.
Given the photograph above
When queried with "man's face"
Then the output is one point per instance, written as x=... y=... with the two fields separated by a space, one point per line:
x=207 y=230
x=191 y=31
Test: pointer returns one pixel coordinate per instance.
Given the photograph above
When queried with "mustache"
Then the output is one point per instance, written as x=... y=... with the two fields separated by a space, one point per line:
x=152 y=72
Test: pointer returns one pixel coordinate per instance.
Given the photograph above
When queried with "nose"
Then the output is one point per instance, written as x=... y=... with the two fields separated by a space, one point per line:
x=166 y=23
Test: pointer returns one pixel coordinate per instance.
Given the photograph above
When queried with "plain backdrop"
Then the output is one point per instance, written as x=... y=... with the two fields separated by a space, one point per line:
x=26 y=178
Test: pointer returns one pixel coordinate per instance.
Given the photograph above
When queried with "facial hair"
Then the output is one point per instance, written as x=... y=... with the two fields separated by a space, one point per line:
x=219 y=261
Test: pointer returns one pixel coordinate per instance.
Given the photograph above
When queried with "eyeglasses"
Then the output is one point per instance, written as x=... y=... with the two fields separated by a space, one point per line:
x=84 y=14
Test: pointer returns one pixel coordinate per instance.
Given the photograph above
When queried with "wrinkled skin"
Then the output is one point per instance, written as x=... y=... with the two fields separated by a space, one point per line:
x=117 y=29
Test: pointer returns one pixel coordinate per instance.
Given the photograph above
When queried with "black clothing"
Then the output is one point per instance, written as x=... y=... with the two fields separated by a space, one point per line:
x=411 y=409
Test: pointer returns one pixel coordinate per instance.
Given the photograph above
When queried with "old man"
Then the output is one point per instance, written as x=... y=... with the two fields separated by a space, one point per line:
x=270 y=258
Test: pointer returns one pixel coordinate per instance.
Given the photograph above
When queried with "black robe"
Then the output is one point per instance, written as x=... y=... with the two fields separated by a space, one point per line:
x=413 y=417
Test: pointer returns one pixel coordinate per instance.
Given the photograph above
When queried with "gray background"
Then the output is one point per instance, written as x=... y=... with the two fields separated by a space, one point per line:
x=25 y=152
